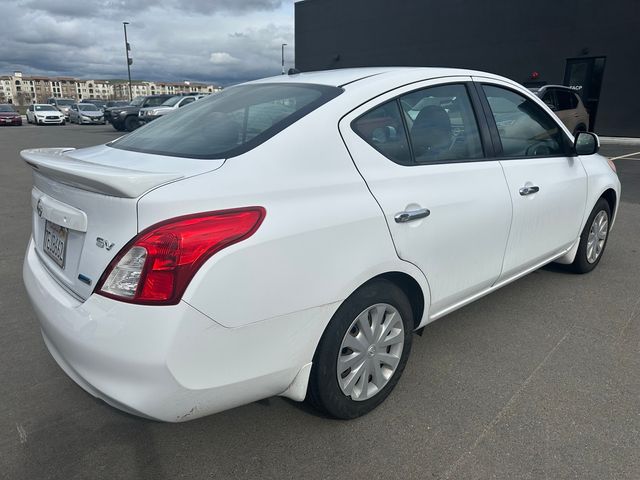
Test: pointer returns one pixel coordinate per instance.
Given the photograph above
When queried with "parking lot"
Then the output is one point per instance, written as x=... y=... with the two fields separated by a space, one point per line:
x=538 y=380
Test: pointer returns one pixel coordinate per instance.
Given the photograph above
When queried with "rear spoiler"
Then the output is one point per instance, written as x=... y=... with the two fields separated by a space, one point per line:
x=114 y=181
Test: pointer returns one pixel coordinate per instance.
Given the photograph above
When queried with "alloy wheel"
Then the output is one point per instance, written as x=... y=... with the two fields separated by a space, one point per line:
x=597 y=236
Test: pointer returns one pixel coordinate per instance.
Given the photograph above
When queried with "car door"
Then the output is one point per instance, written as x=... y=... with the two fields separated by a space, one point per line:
x=420 y=150
x=547 y=182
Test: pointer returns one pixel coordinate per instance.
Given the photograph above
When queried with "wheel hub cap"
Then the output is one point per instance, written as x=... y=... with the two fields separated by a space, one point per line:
x=370 y=351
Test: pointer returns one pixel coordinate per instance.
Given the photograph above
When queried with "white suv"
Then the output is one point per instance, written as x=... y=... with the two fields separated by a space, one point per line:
x=287 y=236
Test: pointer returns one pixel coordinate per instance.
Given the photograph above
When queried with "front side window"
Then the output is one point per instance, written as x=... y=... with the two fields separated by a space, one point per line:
x=525 y=129
x=441 y=124
x=230 y=123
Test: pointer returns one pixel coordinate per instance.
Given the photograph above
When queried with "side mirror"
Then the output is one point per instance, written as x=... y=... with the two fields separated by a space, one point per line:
x=586 y=143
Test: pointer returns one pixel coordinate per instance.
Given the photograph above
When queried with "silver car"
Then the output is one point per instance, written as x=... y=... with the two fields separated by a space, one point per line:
x=151 y=113
x=86 y=113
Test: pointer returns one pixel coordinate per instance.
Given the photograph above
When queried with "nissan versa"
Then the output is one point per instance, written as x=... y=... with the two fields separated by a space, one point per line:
x=287 y=236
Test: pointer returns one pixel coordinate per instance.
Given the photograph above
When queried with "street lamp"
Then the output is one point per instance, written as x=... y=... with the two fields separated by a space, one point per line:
x=283 y=45
x=129 y=59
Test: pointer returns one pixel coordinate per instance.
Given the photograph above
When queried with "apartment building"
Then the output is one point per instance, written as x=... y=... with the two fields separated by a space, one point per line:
x=138 y=88
x=24 y=89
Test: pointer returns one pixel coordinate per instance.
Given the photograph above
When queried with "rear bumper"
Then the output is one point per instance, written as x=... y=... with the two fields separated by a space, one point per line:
x=167 y=363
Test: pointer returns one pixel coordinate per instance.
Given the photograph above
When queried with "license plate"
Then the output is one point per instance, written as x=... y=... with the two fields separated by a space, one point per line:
x=55 y=242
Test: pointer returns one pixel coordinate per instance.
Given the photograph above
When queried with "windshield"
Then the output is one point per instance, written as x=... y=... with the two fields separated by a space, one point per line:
x=229 y=123
x=136 y=102
x=171 y=102
x=87 y=108
x=6 y=108
x=44 y=108
x=62 y=101
x=154 y=101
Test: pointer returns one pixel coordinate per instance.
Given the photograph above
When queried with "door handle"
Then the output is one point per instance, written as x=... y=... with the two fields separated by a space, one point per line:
x=529 y=190
x=409 y=215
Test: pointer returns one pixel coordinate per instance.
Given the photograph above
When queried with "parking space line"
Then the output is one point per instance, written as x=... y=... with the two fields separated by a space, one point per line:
x=627 y=155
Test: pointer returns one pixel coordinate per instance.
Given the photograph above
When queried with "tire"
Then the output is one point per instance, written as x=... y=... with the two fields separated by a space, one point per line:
x=591 y=249
x=131 y=123
x=327 y=385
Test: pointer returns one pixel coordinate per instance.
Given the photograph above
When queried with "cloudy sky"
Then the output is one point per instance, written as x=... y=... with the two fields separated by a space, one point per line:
x=217 y=41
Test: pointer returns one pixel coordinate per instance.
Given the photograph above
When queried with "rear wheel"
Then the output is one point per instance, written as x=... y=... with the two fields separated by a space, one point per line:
x=363 y=351
x=593 y=239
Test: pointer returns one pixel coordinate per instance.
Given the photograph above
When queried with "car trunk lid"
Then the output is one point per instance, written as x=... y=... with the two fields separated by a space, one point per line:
x=84 y=205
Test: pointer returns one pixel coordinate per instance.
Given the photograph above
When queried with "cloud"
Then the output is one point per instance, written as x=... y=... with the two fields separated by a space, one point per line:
x=222 y=42
x=222 y=58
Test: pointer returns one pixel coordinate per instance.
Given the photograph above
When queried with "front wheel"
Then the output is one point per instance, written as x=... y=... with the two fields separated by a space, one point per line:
x=131 y=123
x=593 y=239
x=363 y=351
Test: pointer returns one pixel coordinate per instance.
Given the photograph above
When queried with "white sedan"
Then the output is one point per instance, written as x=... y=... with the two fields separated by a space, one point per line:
x=288 y=236
x=44 y=114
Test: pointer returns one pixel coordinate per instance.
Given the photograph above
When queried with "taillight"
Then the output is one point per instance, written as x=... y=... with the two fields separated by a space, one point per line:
x=158 y=264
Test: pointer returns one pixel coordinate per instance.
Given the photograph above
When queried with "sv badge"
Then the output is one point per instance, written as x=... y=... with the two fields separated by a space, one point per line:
x=103 y=243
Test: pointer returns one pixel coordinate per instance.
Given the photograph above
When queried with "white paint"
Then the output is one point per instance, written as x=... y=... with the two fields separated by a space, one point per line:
x=249 y=323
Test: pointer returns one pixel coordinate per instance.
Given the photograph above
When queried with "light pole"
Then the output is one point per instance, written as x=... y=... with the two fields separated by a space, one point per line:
x=129 y=59
x=283 y=45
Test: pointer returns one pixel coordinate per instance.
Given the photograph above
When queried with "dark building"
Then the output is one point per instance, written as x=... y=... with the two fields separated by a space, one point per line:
x=591 y=45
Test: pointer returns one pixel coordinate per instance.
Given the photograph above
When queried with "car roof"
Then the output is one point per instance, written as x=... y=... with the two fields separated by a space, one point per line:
x=345 y=76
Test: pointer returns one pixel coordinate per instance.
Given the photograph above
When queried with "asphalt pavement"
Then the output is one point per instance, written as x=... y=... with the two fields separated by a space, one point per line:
x=538 y=380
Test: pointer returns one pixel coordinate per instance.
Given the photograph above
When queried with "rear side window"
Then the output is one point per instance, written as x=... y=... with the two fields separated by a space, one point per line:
x=524 y=128
x=441 y=124
x=228 y=123
x=550 y=99
x=382 y=128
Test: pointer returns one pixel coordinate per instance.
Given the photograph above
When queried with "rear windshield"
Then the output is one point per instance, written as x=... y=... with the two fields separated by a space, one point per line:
x=228 y=123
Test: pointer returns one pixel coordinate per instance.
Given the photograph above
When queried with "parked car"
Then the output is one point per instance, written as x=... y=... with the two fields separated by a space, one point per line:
x=9 y=116
x=114 y=103
x=44 y=114
x=287 y=236
x=86 y=113
x=62 y=104
x=101 y=104
x=147 y=114
x=126 y=118
x=567 y=105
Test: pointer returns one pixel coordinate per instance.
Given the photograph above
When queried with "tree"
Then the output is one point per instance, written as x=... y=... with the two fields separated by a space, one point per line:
x=23 y=98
